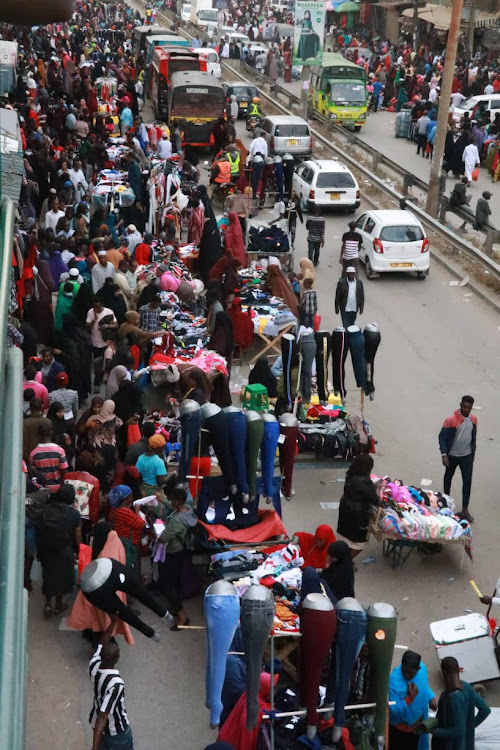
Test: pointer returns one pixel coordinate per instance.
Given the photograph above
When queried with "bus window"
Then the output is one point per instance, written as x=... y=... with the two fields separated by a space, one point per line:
x=189 y=103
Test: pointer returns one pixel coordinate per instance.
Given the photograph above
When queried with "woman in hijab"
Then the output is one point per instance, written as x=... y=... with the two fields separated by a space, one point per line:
x=222 y=342
x=101 y=442
x=306 y=272
x=314 y=547
x=82 y=303
x=207 y=204
x=196 y=221
x=313 y=584
x=278 y=285
x=339 y=574
x=128 y=406
x=409 y=706
x=77 y=347
x=231 y=282
x=131 y=325
x=56 y=263
x=112 y=297
x=38 y=302
x=84 y=615
x=242 y=325
x=81 y=426
x=63 y=429
x=357 y=504
x=116 y=376
x=234 y=239
x=261 y=374
x=210 y=248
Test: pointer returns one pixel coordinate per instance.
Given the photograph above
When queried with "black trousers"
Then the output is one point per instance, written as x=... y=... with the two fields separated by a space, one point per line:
x=399 y=740
x=340 y=347
x=323 y=348
x=372 y=342
x=466 y=464
x=289 y=353
x=170 y=573
x=219 y=437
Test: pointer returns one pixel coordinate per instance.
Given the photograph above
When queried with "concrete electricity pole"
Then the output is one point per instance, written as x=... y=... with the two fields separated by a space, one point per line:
x=444 y=105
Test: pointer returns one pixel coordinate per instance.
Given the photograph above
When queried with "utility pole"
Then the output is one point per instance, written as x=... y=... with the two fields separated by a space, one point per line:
x=444 y=105
x=472 y=23
x=415 y=24
x=304 y=93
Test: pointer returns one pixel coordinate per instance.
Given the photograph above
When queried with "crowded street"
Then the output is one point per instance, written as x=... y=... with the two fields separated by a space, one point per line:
x=219 y=524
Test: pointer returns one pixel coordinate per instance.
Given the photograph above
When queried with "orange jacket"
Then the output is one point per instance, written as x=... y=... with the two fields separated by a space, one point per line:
x=224 y=172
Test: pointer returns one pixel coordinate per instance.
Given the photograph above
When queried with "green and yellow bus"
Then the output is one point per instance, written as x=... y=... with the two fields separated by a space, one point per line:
x=338 y=91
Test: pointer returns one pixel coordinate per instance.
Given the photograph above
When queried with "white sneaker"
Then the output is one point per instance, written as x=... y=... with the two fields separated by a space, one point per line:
x=155 y=637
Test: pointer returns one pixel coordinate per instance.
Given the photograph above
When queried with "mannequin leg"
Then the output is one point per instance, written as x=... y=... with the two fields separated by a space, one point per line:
x=267 y=454
x=380 y=639
x=190 y=426
x=308 y=350
x=237 y=441
x=318 y=632
x=357 y=347
x=257 y=618
x=372 y=342
x=287 y=455
x=255 y=432
x=221 y=614
x=339 y=353
x=219 y=437
x=289 y=354
x=323 y=344
x=351 y=633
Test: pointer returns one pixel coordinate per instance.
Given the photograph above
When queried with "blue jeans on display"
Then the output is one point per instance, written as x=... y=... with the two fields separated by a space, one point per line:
x=257 y=618
x=267 y=454
x=222 y=614
x=190 y=426
x=348 y=318
x=307 y=345
x=357 y=347
x=237 y=425
x=351 y=633
x=122 y=741
x=258 y=168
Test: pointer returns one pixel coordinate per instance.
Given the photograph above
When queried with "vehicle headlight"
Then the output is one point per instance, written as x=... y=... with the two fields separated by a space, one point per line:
x=362 y=116
x=333 y=116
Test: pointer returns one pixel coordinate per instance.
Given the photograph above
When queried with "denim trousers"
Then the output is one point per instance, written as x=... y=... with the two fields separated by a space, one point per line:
x=122 y=741
x=340 y=347
x=380 y=639
x=237 y=426
x=318 y=631
x=348 y=318
x=267 y=454
x=313 y=250
x=287 y=455
x=357 y=347
x=323 y=344
x=257 y=170
x=257 y=619
x=466 y=464
x=255 y=433
x=219 y=437
x=222 y=614
x=126 y=579
x=372 y=342
x=190 y=426
x=308 y=351
x=351 y=633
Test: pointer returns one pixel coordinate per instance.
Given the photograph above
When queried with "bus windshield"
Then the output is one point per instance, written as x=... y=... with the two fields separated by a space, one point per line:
x=176 y=64
x=208 y=14
x=346 y=93
x=205 y=104
x=352 y=72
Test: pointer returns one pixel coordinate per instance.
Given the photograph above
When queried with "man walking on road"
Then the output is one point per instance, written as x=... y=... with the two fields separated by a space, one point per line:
x=457 y=443
x=315 y=226
x=349 y=252
x=108 y=717
x=349 y=297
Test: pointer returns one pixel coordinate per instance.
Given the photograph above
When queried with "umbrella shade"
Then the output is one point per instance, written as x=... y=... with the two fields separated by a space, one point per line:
x=349 y=6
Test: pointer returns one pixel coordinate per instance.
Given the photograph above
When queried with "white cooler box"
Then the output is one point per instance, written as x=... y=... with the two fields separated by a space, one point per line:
x=469 y=640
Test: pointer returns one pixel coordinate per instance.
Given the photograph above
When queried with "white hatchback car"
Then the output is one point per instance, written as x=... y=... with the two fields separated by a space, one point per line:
x=326 y=183
x=392 y=240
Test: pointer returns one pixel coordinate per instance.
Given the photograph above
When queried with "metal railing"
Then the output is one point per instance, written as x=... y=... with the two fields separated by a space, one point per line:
x=13 y=597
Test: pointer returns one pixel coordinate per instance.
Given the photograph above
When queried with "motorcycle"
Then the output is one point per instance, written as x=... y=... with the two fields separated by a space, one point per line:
x=221 y=192
x=253 y=122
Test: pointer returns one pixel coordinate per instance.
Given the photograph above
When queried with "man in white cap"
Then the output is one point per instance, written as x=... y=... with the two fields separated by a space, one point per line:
x=134 y=238
x=349 y=297
x=101 y=271
x=72 y=275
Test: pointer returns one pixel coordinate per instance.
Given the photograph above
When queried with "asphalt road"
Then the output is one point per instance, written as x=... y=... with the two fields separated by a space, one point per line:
x=438 y=342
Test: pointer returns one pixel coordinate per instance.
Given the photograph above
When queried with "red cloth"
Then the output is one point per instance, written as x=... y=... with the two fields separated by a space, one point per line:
x=201 y=468
x=315 y=557
x=142 y=255
x=269 y=525
x=324 y=725
x=234 y=730
x=234 y=238
x=242 y=325
x=84 y=476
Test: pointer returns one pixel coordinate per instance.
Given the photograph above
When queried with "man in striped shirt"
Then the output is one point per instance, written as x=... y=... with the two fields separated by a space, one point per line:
x=108 y=717
x=349 y=253
x=315 y=226
x=48 y=460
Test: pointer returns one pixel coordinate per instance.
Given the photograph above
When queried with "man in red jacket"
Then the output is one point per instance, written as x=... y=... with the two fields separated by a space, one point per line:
x=457 y=443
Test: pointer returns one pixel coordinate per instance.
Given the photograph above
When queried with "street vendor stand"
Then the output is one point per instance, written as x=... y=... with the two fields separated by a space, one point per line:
x=277 y=249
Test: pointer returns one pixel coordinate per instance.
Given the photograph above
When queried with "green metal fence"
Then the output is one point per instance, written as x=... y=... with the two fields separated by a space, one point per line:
x=13 y=597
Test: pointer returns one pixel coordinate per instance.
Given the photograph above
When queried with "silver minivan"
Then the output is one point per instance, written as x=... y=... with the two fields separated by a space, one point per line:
x=287 y=134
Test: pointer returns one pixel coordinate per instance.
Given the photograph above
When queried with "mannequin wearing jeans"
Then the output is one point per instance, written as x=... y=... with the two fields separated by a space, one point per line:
x=372 y=340
x=340 y=347
x=215 y=421
x=190 y=428
x=257 y=619
x=289 y=355
x=357 y=347
x=237 y=444
x=221 y=608
x=351 y=633
x=318 y=621
x=100 y=581
x=380 y=639
x=289 y=427
x=323 y=346
x=268 y=452
x=255 y=432
x=307 y=344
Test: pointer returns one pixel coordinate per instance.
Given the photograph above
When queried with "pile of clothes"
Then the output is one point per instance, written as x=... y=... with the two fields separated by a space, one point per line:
x=329 y=433
x=269 y=240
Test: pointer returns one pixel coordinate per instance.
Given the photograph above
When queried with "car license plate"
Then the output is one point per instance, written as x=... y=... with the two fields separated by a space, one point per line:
x=401 y=265
x=334 y=196
x=243 y=104
x=291 y=141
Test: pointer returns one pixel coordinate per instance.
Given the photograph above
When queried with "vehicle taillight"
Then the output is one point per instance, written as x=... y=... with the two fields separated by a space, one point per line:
x=311 y=195
x=310 y=142
x=358 y=194
x=425 y=246
x=378 y=247
x=272 y=142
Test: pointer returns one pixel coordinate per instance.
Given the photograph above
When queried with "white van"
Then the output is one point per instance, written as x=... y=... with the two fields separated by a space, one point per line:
x=212 y=58
x=287 y=134
x=475 y=105
x=236 y=38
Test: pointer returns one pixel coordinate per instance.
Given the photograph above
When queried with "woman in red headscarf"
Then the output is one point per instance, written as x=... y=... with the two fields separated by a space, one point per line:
x=314 y=547
x=242 y=325
x=234 y=239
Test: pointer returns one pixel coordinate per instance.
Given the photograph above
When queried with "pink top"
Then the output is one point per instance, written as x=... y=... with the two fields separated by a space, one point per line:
x=40 y=392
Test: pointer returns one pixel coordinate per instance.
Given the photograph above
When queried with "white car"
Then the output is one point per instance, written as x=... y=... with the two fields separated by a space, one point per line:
x=186 y=13
x=326 y=183
x=476 y=105
x=212 y=58
x=392 y=240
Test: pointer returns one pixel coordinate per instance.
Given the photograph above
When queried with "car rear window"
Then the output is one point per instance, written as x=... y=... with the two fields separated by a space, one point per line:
x=401 y=234
x=294 y=130
x=244 y=91
x=335 y=180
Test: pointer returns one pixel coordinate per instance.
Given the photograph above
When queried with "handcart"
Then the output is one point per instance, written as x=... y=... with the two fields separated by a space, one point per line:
x=285 y=256
x=473 y=641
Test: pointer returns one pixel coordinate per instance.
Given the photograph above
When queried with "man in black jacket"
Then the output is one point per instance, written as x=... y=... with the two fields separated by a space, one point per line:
x=349 y=297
